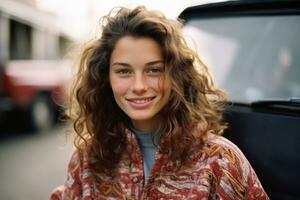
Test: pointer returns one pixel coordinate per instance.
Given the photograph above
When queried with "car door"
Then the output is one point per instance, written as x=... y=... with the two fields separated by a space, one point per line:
x=253 y=51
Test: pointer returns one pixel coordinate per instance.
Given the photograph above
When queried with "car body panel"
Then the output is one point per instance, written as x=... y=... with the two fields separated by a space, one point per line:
x=264 y=125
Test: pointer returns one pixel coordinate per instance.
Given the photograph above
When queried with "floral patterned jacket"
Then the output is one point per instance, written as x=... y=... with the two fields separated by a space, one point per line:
x=218 y=171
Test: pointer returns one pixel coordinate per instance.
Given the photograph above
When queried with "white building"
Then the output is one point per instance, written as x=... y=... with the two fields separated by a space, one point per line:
x=28 y=33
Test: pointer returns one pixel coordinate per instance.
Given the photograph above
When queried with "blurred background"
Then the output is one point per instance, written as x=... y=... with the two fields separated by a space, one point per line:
x=35 y=36
x=257 y=59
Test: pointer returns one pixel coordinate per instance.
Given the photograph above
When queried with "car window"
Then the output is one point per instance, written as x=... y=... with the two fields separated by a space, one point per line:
x=251 y=57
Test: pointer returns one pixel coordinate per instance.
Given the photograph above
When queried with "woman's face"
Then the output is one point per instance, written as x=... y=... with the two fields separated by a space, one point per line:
x=138 y=80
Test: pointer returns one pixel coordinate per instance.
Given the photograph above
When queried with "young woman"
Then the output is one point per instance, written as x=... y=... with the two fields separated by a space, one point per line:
x=148 y=119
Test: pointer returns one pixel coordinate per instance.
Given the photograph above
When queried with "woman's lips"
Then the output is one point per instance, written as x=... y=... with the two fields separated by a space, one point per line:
x=140 y=103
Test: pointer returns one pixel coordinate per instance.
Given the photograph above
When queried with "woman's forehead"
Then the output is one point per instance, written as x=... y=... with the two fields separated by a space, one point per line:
x=136 y=50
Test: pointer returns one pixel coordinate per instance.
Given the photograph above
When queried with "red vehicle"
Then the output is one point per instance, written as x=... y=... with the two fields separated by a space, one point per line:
x=34 y=89
x=32 y=73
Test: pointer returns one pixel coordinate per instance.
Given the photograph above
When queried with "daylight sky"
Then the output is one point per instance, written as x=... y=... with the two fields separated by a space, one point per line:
x=79 y=18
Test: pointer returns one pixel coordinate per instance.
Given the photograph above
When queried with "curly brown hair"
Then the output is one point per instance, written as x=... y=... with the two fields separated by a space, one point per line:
x=195 y=106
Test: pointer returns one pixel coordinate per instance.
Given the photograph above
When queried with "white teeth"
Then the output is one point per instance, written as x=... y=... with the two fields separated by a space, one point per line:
x=141 y=101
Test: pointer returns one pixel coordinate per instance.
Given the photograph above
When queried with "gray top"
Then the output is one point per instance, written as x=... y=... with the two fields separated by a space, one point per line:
x=148 y=149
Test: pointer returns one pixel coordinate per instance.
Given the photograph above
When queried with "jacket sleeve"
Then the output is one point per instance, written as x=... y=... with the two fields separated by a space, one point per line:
x=255 y=189
x=72 y=189
x=57 y=193
x=237 y=179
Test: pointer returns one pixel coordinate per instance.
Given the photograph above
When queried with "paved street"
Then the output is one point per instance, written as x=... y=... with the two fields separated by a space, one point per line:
x=31 y=165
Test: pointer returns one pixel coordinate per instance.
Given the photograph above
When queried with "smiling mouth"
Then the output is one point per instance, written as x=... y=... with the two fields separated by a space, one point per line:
x=140 y=100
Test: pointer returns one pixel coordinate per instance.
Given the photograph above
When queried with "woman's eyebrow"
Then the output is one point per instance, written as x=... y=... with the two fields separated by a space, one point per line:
x=128 y=65
x=154 y=62
x=121 y=63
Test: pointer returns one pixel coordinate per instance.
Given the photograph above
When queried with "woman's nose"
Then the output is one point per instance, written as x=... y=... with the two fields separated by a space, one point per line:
x=140 y=84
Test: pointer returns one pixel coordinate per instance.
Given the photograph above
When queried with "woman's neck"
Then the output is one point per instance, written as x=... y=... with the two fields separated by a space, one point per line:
x=146 y=125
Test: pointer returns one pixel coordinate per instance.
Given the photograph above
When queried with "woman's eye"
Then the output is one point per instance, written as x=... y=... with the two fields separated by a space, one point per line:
x=155 y=70
x=123 y=71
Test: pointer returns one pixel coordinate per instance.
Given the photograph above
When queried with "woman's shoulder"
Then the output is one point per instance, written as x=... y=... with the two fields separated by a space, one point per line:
x=221 y=146
x=227 y=160
x=231 y=167
x=224 y=156
x=72 y=187
x=77 y=158
x=78 y=164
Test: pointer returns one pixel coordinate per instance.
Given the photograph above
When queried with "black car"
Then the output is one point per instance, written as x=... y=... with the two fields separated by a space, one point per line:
x=253 y=51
